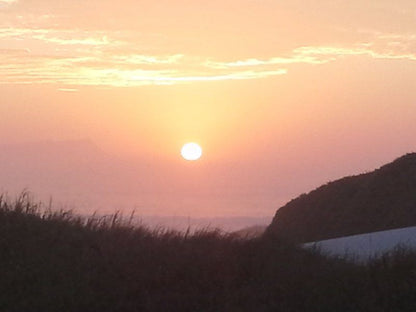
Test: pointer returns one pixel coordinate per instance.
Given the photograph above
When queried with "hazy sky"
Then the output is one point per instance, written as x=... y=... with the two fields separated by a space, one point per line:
x=281 y=95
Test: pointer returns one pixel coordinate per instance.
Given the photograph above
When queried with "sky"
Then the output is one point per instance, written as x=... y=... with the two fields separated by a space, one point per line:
x=282 y=96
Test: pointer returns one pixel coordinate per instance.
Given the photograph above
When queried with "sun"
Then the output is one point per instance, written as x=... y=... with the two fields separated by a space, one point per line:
x=191 y=151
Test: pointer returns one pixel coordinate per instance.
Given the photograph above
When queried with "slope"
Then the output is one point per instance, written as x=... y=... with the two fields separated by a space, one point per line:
x=379 y=200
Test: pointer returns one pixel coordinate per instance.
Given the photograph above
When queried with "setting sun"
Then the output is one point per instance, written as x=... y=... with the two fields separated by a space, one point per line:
x=191 y=147
x=191 y=151
x=270 y=90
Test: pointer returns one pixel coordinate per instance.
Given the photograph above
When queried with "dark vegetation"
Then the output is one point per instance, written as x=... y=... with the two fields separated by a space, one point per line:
x=380 y=200
x=56 y=261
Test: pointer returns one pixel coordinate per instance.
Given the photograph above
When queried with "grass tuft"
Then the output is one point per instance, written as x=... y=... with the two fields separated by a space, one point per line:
x=53 y=260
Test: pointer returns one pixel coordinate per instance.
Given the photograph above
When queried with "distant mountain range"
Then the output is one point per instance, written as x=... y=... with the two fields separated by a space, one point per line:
x=379 y=200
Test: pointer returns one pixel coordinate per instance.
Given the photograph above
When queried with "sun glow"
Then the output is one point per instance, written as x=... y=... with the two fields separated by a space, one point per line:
x=191 y=151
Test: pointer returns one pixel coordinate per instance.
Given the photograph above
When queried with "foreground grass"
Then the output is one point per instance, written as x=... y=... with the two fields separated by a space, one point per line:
x=55 y=261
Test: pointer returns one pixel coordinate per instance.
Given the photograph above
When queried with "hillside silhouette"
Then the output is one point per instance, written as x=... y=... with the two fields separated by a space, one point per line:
x=56 y=261
x=379 y=200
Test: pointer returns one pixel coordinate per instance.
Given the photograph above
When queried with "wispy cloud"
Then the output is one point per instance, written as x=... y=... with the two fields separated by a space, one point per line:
x=296 y=59
x=98 y=61
x=3 y=2
x=147 y=59
x=59 y=37
x=26 y=69
x=385 y=46
x=327 y=53
x=96 y=58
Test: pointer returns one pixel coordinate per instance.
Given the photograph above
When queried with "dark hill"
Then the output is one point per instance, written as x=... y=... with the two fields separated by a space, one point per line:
x=55 y=261
x=379 y=200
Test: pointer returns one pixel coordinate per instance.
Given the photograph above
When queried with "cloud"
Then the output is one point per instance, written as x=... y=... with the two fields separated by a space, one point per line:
x=147 y=59
x=241 y=75
x=24 y=68
x=296 y=59
x=97 y=58
x=327 y=53
x=384 y=46
x=74 y=57
x=6 y=2
x=59 y=37
x=79 y=41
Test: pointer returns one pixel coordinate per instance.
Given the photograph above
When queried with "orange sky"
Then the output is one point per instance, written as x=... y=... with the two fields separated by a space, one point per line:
x=281 y=95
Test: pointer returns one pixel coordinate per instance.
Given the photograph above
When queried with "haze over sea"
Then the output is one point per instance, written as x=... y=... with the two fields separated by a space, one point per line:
x=96 y=101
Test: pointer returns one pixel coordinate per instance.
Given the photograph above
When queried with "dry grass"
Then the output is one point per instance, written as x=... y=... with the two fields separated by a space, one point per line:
x=57 y=261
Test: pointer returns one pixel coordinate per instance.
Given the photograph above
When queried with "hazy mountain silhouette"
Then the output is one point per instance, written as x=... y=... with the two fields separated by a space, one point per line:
x=382 y=199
